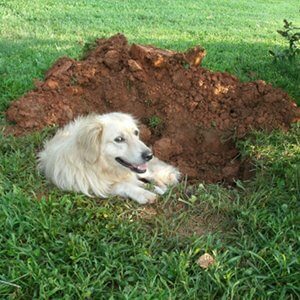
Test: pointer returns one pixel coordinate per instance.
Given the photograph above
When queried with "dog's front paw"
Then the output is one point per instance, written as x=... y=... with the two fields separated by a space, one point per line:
x=146 y=197
x=167 y=176
x=173 y=177
x=160 y=190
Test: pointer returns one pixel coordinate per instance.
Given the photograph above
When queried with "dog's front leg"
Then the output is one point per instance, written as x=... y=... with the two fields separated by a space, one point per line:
x=135 y=192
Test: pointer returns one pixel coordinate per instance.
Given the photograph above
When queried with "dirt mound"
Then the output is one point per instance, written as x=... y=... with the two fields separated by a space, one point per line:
x=190 y=115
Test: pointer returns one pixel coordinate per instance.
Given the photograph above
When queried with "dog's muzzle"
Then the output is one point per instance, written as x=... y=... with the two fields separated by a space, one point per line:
x=142 y=168
x=147 y=155
x=137 y=168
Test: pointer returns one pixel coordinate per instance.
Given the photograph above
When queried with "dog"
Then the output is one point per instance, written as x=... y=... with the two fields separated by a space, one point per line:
x=102 y=155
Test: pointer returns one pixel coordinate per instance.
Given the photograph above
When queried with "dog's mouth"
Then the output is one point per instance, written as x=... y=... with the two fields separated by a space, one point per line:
x=142 y=168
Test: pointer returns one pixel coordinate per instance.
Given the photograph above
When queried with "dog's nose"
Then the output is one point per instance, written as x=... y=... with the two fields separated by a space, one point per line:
x=147 y=155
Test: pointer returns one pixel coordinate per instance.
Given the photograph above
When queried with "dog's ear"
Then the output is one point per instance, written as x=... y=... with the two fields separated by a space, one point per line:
x=89 y=141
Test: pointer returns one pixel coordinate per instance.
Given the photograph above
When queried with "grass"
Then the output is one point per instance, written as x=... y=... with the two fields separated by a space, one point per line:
x=56 y=245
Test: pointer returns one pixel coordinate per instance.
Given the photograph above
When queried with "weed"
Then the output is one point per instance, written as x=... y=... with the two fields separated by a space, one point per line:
x=148 y=102
x=154 y=122
x=292 y=35
x=88 y=46
x=73 y=80
x=129 y=85
x=156 y=125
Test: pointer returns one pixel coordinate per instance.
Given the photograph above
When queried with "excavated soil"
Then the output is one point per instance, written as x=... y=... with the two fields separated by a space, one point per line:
x=190 y=115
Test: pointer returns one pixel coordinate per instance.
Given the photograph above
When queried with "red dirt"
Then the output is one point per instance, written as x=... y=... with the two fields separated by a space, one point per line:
x=199 y=112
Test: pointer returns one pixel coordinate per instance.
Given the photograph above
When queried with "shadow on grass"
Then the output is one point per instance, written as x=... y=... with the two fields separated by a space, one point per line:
x=24 y=60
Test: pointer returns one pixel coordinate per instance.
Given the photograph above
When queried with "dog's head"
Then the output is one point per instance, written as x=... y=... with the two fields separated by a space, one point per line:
x=114 y=138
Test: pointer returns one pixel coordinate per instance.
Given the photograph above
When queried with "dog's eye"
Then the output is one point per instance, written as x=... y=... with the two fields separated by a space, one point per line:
x=136 y=132
x=119 y=139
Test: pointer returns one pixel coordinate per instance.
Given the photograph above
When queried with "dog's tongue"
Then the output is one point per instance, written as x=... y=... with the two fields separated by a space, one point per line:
x=142 y=167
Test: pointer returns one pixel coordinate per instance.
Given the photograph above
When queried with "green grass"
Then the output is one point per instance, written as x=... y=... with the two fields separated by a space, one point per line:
x=56 y=245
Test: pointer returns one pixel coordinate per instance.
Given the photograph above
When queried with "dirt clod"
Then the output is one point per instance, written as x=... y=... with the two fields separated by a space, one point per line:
x=205 y=260
x=201 y=110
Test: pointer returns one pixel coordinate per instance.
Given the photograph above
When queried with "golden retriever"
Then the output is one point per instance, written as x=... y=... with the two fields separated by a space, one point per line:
x=102 y=155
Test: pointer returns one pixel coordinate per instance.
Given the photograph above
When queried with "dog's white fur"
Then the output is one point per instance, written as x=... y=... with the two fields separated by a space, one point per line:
x=82 y=156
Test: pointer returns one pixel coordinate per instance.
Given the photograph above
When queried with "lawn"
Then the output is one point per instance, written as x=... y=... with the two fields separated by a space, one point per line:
x=56 y=245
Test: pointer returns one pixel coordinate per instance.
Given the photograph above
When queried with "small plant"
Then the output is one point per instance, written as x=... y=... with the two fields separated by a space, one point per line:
x=156 y=125
x=87 y=47
x=73 y=80
x=148 y=102
x=292 y=34
x=129 y=85
x=155 y=121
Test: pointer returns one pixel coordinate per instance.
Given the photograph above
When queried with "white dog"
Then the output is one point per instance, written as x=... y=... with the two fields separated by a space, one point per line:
x=102 y=155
